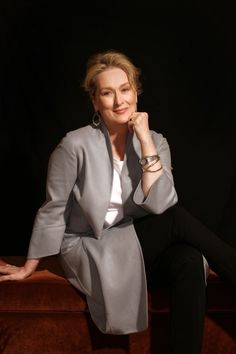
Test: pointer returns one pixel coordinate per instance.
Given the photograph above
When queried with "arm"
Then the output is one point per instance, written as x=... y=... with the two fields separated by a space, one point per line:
x=50 y=221
x=11 y=272
x=160 y=193
x=49 y=224
x=139 y=123
x=152 y=172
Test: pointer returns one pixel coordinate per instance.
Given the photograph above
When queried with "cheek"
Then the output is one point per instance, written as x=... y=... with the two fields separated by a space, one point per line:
x=132 y=100
x=132 y=97
x=105 y=104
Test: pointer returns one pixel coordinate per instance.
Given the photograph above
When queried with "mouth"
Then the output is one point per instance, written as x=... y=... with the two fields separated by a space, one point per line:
x=120 y=111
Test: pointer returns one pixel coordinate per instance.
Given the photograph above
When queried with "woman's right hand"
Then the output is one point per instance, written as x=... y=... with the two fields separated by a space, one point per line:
x=12 y=272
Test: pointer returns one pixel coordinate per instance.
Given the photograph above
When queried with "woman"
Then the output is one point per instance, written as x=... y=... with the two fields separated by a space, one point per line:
x=111 y=214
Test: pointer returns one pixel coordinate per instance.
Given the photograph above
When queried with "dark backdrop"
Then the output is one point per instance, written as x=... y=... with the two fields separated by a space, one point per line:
x=186 y=53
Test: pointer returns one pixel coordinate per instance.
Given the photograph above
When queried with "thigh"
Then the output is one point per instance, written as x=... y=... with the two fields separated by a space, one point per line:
x=155 y=234
x=179 y=262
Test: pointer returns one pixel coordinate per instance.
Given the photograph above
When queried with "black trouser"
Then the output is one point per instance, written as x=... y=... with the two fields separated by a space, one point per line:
x=173 y=244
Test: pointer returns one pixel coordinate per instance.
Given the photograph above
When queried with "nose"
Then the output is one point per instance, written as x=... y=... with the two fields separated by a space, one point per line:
x=118 y=99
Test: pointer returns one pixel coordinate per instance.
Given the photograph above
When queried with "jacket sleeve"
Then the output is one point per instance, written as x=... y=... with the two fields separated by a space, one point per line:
x=162 y=194
x=49 y=224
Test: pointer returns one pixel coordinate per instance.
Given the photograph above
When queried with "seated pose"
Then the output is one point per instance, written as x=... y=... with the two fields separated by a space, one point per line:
x=111 y=214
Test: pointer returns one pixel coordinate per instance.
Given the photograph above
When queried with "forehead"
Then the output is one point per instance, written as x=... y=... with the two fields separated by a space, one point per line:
x=111 y=77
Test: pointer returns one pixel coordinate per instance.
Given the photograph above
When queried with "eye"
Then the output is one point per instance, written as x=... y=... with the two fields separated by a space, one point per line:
x=125 y=89
x=106 y=93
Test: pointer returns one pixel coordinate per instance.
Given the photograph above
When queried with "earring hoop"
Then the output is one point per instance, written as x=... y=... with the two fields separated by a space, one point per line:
x=96 y=119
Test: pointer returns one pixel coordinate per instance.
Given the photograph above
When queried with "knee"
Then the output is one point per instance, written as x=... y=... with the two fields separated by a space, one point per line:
x=188 y=266
x=180 y=214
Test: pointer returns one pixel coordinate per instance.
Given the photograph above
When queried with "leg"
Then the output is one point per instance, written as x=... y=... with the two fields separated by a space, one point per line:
x=220 y=256
x=180 y=268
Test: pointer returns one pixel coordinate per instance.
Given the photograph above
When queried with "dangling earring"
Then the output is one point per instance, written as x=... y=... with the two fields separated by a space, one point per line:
x=96 y=119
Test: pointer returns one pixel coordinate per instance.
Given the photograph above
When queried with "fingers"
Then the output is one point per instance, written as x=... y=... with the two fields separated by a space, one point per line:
x=138 y=123
x=5 y=277
x=8 y=269
x=138 y=117
x=11 y=272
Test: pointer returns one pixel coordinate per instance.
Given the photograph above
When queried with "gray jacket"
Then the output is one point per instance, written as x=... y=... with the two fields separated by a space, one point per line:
x=106 y=264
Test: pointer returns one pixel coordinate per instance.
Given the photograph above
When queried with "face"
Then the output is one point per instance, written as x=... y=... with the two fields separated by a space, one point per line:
x=115 y=99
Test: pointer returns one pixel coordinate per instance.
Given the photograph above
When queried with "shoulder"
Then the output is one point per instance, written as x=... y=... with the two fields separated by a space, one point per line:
x=78 y=134
x=81 y=136
x=81 y=141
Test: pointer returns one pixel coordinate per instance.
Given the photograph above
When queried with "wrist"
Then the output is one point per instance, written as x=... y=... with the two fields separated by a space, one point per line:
x=31 y=265
x=147 y=146
x=145 y=160
x=146 y=140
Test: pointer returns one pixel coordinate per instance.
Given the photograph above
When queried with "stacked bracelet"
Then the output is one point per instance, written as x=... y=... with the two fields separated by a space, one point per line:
x=146 y=160
x=147 y=169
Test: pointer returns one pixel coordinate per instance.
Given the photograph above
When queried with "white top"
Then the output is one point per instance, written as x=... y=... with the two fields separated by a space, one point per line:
x=115 y=209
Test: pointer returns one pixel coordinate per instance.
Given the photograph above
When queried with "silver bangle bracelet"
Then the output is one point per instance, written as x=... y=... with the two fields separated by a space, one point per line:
x=145 y=167
x=146 y=159
x=159 y=169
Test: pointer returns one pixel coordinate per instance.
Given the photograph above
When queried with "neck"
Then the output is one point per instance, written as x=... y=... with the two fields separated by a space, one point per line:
x=118 y=140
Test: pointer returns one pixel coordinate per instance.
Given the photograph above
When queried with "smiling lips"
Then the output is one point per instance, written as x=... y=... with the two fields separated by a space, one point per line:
x=120 y=111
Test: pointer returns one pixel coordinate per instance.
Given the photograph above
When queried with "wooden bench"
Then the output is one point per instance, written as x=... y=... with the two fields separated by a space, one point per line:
x=44 y=314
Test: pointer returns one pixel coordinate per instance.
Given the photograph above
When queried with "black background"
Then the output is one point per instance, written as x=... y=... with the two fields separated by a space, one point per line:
x=186 y=51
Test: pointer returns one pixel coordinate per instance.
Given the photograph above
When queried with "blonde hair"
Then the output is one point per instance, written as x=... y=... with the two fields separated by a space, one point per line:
x=100 y=62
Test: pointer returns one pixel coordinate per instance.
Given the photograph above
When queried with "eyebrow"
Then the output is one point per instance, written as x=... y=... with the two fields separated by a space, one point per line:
x=110 y=88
